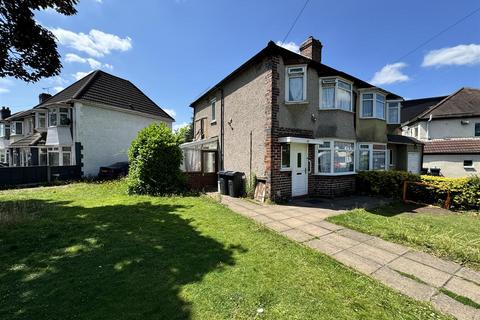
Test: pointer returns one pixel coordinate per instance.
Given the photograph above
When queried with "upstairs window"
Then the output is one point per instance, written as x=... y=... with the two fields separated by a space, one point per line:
x=477 y=129
x=214 y=116
x=373 y=106
x=335 y=94
x=41 y=120
x=52 y=117
x=393 y=112
x=58 y=116
x=2 y=130
x=296 y=84
x=17 y=128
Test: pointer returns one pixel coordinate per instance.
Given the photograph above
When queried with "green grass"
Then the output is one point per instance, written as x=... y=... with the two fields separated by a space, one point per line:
x=89 y=251
x=454 y=236
x=460 y=299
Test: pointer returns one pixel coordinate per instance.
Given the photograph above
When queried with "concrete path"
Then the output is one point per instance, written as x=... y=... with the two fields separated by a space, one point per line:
x=415 y=274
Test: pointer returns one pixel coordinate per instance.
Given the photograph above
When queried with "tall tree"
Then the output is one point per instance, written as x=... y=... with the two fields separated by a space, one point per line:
x=28 y=51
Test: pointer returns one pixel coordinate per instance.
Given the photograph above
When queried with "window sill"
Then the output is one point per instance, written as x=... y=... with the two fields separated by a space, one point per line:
x=334 y=109
x=296 y=102
x=371 y=118
x=285 y=169
x=213 y=122
x=335 y=174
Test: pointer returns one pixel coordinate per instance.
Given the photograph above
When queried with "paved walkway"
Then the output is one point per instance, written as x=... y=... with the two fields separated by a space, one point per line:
x=415 y=274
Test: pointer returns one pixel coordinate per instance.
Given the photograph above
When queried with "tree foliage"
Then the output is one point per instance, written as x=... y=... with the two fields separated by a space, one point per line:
x=155 y=160
x=184 y=134
x=28 y=51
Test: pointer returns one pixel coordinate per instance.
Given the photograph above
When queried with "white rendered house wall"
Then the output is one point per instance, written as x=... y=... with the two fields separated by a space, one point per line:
x=106 y=134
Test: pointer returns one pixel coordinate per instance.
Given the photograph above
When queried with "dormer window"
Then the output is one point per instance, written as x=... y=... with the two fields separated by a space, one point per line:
x=335 y=94
x=296 y=84
x=393 y=112
x=373 y=105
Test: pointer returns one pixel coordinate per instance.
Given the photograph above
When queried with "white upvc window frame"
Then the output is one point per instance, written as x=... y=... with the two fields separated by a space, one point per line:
x=213 y=110
x=371 y=151
x=14 y=126
x=336 y=80
x=3 y=130
x=374 y=102
x=331 y=148
x=398 y=107
x=58 y=116
x=287 y=83
x=282 y=147
x=37 y=119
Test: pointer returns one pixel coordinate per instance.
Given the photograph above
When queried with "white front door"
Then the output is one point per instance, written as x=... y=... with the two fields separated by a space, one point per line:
x=298 y=154
x=414 y=162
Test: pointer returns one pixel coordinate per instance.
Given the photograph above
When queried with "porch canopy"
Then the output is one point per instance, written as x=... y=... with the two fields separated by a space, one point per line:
x=300 y=140
x=200 y=156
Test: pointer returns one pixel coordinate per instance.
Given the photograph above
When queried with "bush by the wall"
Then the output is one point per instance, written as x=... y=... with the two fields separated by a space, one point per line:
x=464 y=192
x=155 y=159
x=385 y=183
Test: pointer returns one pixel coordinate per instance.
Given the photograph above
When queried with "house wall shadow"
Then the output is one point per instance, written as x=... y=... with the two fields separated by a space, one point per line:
x=118 y=262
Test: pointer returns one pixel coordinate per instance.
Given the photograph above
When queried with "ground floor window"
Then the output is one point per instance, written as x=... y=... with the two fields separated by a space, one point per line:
x=209 y=161
x=3 y=156
x=66 y=156
x=335 y=157
x=372 y=156
x=53 y=157
x=42 y=156
x=285 y=154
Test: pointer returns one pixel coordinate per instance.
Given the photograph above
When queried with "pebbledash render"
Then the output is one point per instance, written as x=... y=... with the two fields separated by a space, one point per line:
x=297 y=125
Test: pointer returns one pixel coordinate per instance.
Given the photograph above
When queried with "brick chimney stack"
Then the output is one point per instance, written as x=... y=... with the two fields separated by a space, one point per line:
x=43 y=97
x=312 y=48
x=5 y=113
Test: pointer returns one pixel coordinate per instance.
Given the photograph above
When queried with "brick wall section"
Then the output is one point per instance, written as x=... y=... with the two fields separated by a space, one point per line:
x=271 y=121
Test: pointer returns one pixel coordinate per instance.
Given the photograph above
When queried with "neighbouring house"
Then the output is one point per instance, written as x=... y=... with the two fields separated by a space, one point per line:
x=298 y=125
x=90 y=124
x=449 y=127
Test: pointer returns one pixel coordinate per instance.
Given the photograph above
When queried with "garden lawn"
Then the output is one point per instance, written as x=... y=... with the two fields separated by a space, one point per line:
x=454 y=236
x=89 y=251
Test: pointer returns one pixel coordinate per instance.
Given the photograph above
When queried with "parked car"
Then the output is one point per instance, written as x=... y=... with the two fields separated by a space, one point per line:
x=116 y=170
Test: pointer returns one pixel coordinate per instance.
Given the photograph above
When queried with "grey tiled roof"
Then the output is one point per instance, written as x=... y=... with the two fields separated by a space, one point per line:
x=34 y=139
x=104 y=88
x=395 y=138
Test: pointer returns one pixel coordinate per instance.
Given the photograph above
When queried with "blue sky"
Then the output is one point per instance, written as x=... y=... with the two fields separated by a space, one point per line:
x=176 y=49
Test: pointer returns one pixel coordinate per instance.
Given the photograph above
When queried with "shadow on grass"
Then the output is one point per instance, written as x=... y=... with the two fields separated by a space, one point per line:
x=109 y=262
x=396 y=208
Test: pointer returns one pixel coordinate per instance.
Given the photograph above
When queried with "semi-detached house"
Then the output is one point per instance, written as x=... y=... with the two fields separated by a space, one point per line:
x=298 y=125
x=89 y=124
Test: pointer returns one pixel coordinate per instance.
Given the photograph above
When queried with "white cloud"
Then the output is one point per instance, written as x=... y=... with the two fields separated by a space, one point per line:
x=171 y=112
x=4 y=84
x=391 y=73
x=4 y=90
x=79 y=75
x=96 y=43
x=464 y=54
x=58 y=89
x=108 y=66
x=177 y=126
x=72 y=57
x=292 y=46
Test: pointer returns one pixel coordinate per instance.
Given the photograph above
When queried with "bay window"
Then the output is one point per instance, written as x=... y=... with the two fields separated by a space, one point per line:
x=372 y=156
x=335 y=94
x=66 y=156
x=42 y=156
x=296 y=84
x=53 y=157
x=373 y=106
x=335 y=157
x=58 y=116
x=393 y=112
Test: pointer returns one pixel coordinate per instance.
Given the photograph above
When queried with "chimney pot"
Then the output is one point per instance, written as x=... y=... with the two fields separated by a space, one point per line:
x=42 y=97
x=312 y=48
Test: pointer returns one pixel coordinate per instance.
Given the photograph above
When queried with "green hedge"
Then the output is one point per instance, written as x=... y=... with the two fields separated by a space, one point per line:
x=465 y=192
x=385 y=183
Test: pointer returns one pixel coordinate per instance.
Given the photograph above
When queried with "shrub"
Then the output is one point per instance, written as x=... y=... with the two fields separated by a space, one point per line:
x=464 y=192
x=385 y=183
x=155 y=159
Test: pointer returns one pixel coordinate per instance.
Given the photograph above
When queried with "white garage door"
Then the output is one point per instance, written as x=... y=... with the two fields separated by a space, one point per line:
x=414 y=162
